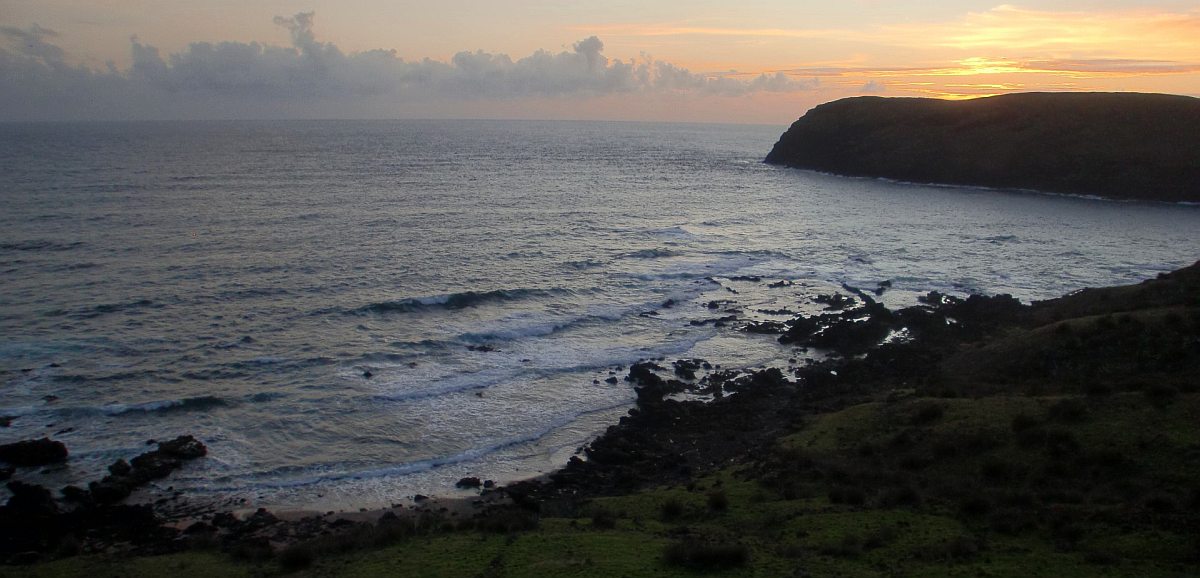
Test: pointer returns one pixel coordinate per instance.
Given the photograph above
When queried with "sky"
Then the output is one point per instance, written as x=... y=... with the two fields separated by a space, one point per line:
x=751 y=61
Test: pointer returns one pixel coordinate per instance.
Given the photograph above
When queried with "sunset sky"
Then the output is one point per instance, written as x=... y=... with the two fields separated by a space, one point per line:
x=761 y=61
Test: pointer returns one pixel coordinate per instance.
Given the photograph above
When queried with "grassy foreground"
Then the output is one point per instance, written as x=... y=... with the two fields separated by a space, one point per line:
x=1097 y=489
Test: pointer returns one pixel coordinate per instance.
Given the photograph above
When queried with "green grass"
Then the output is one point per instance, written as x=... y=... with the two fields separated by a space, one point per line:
x=1089 y=523
x=186 y=565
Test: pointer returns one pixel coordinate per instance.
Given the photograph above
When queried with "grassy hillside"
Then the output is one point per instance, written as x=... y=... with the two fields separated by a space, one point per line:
x=1118 y=145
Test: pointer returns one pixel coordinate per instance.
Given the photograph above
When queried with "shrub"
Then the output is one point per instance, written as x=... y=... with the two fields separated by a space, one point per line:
x=915 y=462
x=1161 y=394
x=981 y=441
x=297 y=557
x=903 y=439
x=975 y=506
x=851 y=495
x=718 y=501
x=850 y=546
x=998 y=471
x=1110 y=461
x=957 y=548
x=1067 y=535
x=904 y=495
x=603 y=519
x=1068 y=410
x=1161 y=503
x=252 y=550
x=1060 y=442
x=928 y=413
x=701 y=555
x=879 y=538
x=1101 y=558
x=963 y=547
x=508 y=520
x=1031 y=437
x=945 y=449
x=1013 y=522
x=1022 y=422
x=671 y=510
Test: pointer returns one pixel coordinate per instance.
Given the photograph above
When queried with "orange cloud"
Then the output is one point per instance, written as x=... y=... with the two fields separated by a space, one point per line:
x=1144 y=32
x=1119 y=41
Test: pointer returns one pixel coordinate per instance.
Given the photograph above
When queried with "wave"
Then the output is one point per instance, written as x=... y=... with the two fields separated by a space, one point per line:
x=118 y=376
x=544 y=328
x=584 y=264
x=651 y=254
x=198 y=403
x=461 y=300
x=672 y=232
x=39 y=245
x=315 y=476
x=104 y=309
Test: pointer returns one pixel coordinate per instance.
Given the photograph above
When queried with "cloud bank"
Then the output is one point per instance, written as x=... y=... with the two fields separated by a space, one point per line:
x=311 y=77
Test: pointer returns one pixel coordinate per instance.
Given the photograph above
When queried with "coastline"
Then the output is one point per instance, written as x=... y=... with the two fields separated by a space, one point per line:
x=665 y=442
x=1114 y=145
x=986 y=188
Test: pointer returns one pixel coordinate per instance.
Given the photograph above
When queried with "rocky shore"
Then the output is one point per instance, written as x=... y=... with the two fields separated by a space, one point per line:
x=1116 y=145
x=935 y=376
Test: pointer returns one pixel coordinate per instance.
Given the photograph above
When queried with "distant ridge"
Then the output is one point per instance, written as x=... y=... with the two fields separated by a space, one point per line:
x=1115 y=145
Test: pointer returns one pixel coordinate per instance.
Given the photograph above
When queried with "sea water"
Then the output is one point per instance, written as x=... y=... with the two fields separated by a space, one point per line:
x=349 y=313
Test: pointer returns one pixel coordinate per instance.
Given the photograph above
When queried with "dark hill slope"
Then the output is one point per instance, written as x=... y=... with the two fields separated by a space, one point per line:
x=1116 y=145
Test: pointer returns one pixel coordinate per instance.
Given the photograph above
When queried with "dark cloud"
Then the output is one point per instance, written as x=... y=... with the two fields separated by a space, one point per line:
x=32 y=43
x=313 y=77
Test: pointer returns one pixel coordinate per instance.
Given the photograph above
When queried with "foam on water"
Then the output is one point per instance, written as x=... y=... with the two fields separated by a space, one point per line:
x=351 y=312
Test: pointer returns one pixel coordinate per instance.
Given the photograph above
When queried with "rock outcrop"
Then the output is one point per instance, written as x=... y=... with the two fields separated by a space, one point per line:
x=1115 y=145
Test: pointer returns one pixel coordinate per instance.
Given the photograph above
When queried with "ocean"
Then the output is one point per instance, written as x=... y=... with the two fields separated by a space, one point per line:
x=349 y=313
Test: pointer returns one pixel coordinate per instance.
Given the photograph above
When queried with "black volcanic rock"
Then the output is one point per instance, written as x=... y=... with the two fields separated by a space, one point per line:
x=37 y=452
x=1116 y=145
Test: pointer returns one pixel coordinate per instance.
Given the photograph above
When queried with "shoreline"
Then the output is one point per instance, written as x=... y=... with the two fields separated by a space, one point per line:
x=661 y=441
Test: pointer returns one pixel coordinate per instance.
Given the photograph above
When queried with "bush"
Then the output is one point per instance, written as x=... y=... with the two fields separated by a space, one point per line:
x=701 y=555
x=851 y=495
x=850 y=546
x=718 y=501
x=508 y=520
x=1023 y=422
x=998 y=471
x=1067 y=536
x=1060 y=442
x=1161 y=503
x=1013 y=522
x=1101 y=558
x=252 y=550
x=915 y=462
x=1068 y=410
x=981 y=442
x=975 y=506
x=1161 y=394
x=957 y=548
x=928 y=413
x=901 y=496
x=297 y=557
x=603 y=519
x=671 y=510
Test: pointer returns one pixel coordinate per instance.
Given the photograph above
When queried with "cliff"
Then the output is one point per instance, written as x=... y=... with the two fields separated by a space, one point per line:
x=1115 y=145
